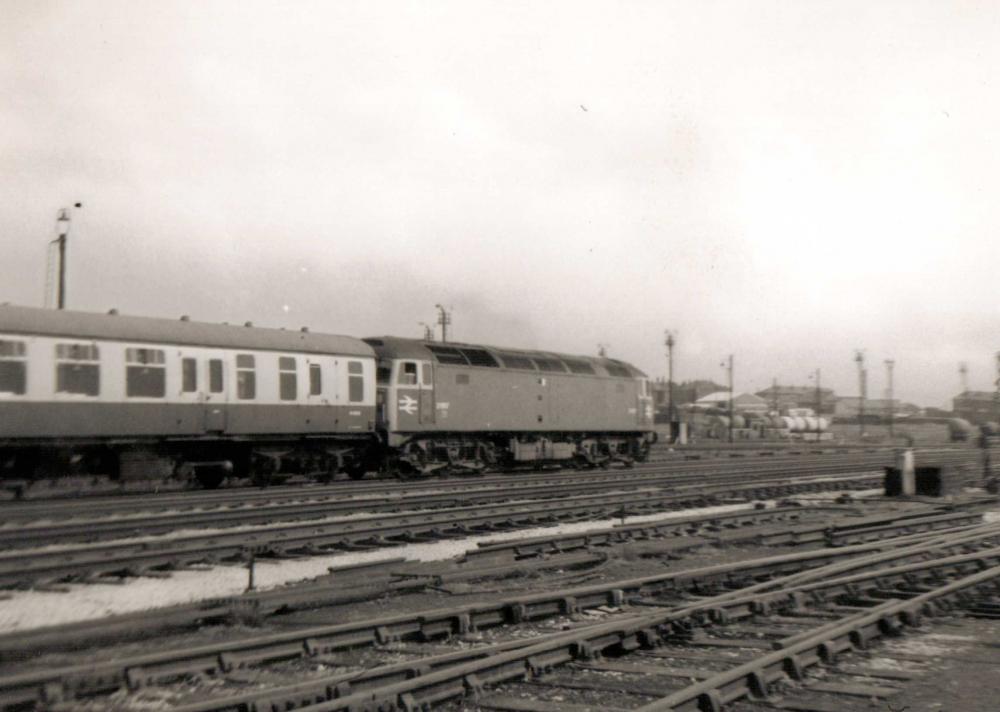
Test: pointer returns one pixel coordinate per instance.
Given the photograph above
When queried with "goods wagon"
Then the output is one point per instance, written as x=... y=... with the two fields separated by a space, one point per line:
x=135 y=396
x=466 y=405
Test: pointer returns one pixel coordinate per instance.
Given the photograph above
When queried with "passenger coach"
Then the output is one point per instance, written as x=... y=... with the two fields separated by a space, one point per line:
x=142 y=397
x=451 y=404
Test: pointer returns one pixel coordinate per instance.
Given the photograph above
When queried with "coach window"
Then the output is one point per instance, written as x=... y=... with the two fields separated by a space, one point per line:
x=189 y=375
x=77 y=369
x=315 y=379
x=407 y=374
x=145 y=373
x=287 y=378
x=246 y=377
x=355 y=382
x=13 y=368
x=215 y=375
x=427 y=374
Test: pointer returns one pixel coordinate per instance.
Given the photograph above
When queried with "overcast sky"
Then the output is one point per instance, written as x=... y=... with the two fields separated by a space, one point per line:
x=784 y=181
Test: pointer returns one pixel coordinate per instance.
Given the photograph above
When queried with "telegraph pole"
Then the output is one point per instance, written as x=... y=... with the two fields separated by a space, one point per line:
x=819 y=395
x=444 y=318
x=889 y=363
x=428 y=331
x=859 y=358
x=670 y=384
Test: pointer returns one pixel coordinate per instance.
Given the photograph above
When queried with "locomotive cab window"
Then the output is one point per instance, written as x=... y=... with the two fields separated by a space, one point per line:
x=77 y=369
x=13 y=368
x=189 y=375
x=355 y=381
x=407 y=374
x=288 y=378
x=315 y=379
x=145 y=373
x=246 y=377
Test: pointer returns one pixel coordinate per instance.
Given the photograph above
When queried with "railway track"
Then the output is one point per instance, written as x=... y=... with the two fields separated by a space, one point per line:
x=27 y=566
x=76 y=504
x=34 y=524
x=67 y=529
x=783 y=614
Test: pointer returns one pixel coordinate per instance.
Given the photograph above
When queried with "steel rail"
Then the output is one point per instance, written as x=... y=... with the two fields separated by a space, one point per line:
x=257 y=603
x=90 y=530
x=826 y=642
x=133 y=672
x=20 y=566
x=240 y=497
x=797 y=533
x=624 y=635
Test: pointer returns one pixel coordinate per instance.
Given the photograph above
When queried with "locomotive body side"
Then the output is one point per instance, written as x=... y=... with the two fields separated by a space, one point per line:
x=450 y=402
x=86 y=385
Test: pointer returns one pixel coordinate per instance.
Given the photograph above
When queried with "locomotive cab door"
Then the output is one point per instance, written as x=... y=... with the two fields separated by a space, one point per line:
x=644 y=410
x=413 y=404
x=426 y=393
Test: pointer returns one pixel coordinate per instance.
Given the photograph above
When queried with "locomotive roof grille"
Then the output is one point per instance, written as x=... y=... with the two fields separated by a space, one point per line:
x=478 y=357
x=552 y=365
x=515 y=361
x=617 y=370
x=579 y=366
x=448 y=355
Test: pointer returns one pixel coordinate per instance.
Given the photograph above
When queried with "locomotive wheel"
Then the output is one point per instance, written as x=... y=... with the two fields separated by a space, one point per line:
x=210 y=477
x=356 y=472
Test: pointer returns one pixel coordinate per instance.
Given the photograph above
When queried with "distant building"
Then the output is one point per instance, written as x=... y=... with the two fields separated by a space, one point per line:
x=977 y=407
x=875 y=408
x=742 y=402
x=686 y=392
x=781 y=398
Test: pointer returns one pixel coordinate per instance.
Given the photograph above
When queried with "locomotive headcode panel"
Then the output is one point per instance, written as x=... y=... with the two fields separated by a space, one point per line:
x=95 y=390
x=472 y=406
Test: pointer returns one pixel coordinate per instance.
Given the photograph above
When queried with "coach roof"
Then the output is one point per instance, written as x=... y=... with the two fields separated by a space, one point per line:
x=115 y=327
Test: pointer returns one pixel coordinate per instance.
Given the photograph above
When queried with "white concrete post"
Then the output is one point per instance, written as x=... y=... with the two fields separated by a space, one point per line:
x=904 y=463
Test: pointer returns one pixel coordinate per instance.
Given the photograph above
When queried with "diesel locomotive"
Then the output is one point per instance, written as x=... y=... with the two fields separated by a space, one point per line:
x=140 y=398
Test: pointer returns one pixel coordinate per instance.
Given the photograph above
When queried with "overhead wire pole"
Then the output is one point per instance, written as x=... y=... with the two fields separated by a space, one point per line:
x=859 y=358
x=670 y=385
x=889 y=363
x=444 y=319
x=729 y=368
x=62 y=228
x=996 y=393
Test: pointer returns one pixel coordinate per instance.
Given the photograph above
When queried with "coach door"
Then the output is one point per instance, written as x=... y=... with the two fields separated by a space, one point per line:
x=213 y=371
